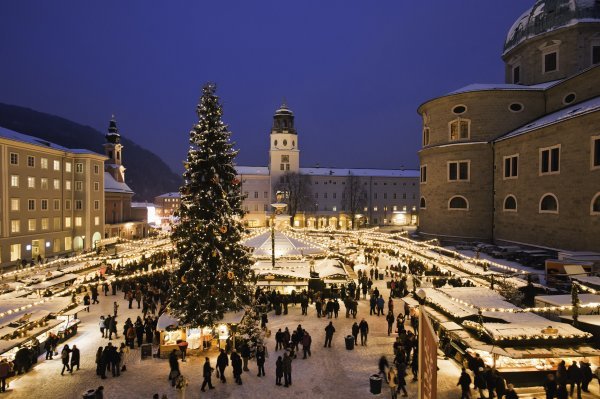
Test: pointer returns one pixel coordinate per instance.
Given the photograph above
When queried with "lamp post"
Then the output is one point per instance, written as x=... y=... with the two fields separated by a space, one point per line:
x=277 y=209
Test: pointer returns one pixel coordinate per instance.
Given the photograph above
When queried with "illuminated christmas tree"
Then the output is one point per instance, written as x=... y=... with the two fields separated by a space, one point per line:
x=214 y=273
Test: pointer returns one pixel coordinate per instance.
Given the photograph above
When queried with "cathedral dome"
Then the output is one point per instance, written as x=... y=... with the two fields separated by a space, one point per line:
x=549 y=15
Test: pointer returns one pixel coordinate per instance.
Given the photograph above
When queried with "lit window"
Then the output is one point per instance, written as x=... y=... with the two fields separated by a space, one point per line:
x=14 y=181
x=15 y=226
x=14 y=158
x=56 y=184
x=458 y=203
x=15 y=204
x=96 y=220
x=44 y=163
x=510 y=203
x=78 y=221
x=68 y=166
x=334 y=208
x=423 y=174
x=67 y=222
x=15 y=252
x=458 y=171
x=56 y=165
x=56 y=223
x=45 y=223
x=460 y=129
x=549 y=204
x=31 y=182
x=375 y=209
x=31 y=224
x=550 y=160
x=67 y=184
x=511 y=166
x=31 y=161
x=68 y=243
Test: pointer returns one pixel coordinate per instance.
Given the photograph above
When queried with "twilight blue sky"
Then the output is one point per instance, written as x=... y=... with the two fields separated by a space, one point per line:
x=352 y=71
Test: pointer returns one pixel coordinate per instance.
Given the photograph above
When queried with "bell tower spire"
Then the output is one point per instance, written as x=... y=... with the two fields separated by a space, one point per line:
x=113 y=150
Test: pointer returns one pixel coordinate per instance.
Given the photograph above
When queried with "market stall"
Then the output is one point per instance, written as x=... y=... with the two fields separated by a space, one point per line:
x=70 y=321
x=50 y=287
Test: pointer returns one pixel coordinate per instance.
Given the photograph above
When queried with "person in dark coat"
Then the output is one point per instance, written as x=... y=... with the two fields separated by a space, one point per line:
x=245 y=352
x=260 y=360
x=114 y=360
x=480 y=382
x=465 y=384
x=561 y=374
x=586 y=375
x=329 y=330
x=236 y=365
x=510 y=393
x=4 y=371
x=364 y=331
x=575 y=376
x=390 y=322
x=100 y=365
x=500 y=385
x=306 y=343
x=222 y=363
x=173 y=367
x=207 y=374
x=490 y=381
x=550 y=386
x=287 y=370
x=355 y=330
x=561 y=392
x=75 y=357
x=278 y=370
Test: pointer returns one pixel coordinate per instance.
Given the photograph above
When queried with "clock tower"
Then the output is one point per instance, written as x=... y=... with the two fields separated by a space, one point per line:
x=284 y=153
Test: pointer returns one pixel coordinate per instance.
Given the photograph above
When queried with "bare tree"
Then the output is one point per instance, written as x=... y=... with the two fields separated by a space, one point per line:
x=354 y=197
x=297 y=192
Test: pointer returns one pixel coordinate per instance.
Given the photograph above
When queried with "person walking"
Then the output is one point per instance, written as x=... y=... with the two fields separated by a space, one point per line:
x=102 y=325
x=355 y=330
x=64 y=356
x=100 y=365
x=402 y=379
x=380 y=304
x=480 y=382
x=115 y=308
x=278 y=370
x=173 y=367
x=75 y=357
x=364 y=331
x=236 y=365
x=575 y=377
x=49 y=347
x=465 y=384
x=586 y=374
x=245 y=352
x=390 y=322
x=392 y=378
x=287 y=369
x=550 y=386
x=261 y=356
x=222 y=363
x=207 y=374
x=4 y=371
x=306 y=343
x=329 y=330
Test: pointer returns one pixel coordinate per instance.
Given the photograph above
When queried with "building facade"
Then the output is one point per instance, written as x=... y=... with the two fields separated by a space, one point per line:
x=52 y=198
x=324 y=197
x=519 y=162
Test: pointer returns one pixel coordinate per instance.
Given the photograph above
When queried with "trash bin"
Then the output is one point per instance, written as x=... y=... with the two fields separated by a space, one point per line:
x=349 y=342
x=89 y=394
x=381 y=276
x=375 y=382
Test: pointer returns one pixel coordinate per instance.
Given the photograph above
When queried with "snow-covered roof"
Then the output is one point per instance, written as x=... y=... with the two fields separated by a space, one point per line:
x=24 y=138
x=142 y=205
x=252 y=170
x=502 y=86
x=113 y=186
x=327 y=268
x=573 y=111
x=173 y=194
x=360 y=172
x=284 y=245
x=567 y=300
x=546 y=16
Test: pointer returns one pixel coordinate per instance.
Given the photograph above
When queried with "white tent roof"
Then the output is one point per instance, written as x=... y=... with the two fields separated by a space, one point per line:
x=284 y=245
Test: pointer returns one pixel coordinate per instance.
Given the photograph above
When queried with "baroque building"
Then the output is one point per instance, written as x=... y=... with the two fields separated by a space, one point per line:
x=519 y=162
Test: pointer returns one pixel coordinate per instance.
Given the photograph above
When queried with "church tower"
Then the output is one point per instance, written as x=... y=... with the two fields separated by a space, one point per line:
x=113 y=150
x=284 y=153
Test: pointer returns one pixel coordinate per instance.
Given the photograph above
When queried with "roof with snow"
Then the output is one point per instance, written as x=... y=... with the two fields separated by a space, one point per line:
x=24 y=138
x=284 y=245
x=252 y=170
x=502 y=86
x=173 y=194
x=113 y=186
x=549 y=15
x=360 y=172
x=573 y=111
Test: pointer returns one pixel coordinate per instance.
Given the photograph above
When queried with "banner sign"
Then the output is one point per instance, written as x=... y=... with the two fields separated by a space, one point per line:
x=428 y=345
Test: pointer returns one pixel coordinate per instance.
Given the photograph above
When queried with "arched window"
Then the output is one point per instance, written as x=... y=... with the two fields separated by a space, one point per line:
x=423 y=203
x=510 y=203
x=460 y=129
x=596 y=205
x=459 y=203
x=549 y=204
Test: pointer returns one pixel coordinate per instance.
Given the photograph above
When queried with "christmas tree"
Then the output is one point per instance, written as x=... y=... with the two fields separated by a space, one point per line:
x=249 y=330
x=214 y=268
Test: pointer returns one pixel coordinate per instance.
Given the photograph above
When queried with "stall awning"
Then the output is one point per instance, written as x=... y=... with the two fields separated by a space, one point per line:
x=75 y=310
x=166 y=320
x=50 y=283
x=6 y=345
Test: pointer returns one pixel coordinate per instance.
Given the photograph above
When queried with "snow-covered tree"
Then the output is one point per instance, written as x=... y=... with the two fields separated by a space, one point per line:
x=249 y=330
x=214 y=273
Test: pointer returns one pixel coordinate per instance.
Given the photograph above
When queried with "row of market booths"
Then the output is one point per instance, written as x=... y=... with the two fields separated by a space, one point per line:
x=522 y=345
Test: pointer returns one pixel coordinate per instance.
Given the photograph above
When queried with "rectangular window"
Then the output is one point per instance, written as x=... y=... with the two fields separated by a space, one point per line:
x=595 y=152
x=550 y=62
x=375 y=209
x=384 y=195
x=334 y=195
x=15 y=252
x=78 y=168
x=334 y=208
x=14 y=181
x=44 y=163
x=324 y=195
x=15 y=226
x=30 y=161
x=395 y=195
x=595 y=54
x=458 y=171
x=256 y=194
x=78 y=221
x=67 y=222
x=403 y=195
x=44 y=205
x=68 y=243
x=375 y=196
x=96 y=204
x=56 y=184
x=96 y=186
x=14 y=158
x=31 y=182
x=266 y=194
x=425 y=136
x=265 y=207
x=68 y=166
x=56 y=245
x=56 y=165
x=56 y=223
x=31 y=224
x=550 y=160
x=459 y=129
x=516 y=72
x=45 y=223
x=282 y=166
x=56 y=205
x=423 y=174
x=78 y=205
x=255 y=207
x=31 y=205
x=78 y=185
x=285 y=158
x=15 y=204
x=96 y=169
x=96 y=220
x=68 y=205
x=511 y=166
x=67 y=184
x=287 y=166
